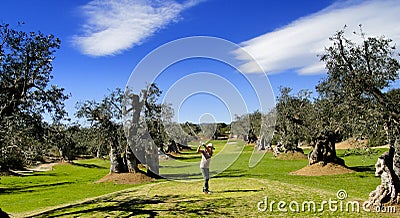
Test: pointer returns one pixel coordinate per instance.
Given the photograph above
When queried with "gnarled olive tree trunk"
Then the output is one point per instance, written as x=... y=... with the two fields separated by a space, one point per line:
x=116 y=161
x=132 y=132
x=172 y=147
x=324 y=149
x=131 y=160
x=140 y=145
x=388 y=168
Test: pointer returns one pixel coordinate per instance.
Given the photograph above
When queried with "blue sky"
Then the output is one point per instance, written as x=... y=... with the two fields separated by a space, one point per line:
x=103 y=41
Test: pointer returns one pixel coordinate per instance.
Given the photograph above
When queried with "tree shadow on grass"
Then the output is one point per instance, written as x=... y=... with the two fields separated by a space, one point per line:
x=128 y=208
x=173 y=167
x=198 y=175
x=192 y=158
x=139 y=206
x=182 y=176
x=232 y=173
x=239 y=190
x=37 y=174
x=30 y=188
x=369 y=168
x=89 y=165
x=202 y=208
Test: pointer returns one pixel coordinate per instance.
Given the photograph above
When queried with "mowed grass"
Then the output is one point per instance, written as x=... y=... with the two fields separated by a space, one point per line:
x=65 y=183
x=236 y=192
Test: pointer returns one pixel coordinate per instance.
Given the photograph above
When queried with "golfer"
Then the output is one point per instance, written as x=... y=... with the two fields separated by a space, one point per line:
x=205 y=164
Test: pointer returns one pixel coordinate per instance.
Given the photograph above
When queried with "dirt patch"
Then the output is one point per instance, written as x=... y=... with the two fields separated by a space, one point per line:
x=319 y=169
x=351 y=143
x=46 y=167
x=126 y=178
x=292 y=156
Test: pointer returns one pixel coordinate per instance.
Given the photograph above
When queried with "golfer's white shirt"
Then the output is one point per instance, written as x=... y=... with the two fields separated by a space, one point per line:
x=205 y=160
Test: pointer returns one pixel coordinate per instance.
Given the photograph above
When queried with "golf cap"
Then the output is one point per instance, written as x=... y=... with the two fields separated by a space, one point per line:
x=210 y=145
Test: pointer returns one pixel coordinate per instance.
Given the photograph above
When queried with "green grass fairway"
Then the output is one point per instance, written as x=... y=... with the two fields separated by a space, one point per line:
x=70 y=191
x=66 y=183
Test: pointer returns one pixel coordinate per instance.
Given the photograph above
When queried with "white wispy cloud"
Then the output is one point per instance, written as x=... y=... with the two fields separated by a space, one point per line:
x=297 y=45
x=113 y=26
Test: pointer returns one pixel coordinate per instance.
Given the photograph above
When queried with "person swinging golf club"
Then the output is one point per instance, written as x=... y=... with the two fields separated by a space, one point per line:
x=205 y=164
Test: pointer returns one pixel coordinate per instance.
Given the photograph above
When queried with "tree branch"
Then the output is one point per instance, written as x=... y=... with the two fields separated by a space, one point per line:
x=341 y=49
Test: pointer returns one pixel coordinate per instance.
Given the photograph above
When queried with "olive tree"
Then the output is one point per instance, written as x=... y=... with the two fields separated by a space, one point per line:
x=358 y=75
x=143 y=126
x=293 y=117
x=177 y=134
x=117 y=117
x=247 y=126
x=61 y=137
x=105 y=116
x=240 y=127
x=328 y=126
x=26 y=95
